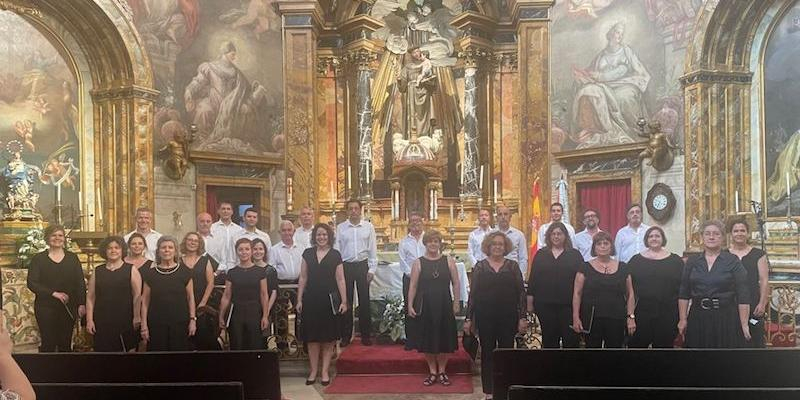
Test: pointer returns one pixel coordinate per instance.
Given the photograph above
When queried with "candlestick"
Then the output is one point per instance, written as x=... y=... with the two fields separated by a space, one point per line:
x=480 y=181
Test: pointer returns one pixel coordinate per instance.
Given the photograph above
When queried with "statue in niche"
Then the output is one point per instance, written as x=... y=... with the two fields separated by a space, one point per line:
x=418 y=82
x=18 y=179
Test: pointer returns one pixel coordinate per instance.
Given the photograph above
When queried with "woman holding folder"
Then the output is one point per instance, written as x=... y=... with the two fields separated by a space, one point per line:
x=246 y=294
x=55 y=276
x=113 y=301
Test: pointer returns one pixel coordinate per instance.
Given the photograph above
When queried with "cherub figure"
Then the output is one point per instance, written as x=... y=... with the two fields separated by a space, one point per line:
x=659 y=150
x=24 y=130
x=176 y=155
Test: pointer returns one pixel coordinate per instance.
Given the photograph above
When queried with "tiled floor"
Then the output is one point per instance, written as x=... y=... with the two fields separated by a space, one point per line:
x=294 y=388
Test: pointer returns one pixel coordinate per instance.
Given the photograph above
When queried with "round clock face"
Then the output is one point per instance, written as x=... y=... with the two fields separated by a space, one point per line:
x=660 y=202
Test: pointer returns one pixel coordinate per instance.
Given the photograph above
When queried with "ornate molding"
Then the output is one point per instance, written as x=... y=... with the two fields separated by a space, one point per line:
x=475 y=57
x=508 y=62
x=20 y=7
x=361 y=58
x=125 y=92
x=329 y=64
x=716 y=76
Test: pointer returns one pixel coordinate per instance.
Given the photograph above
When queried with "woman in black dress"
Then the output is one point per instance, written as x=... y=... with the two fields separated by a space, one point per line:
x=429 y=300
x=246 y=294
x=755 y=263
x=603 y=299
x=113 y=300
x=260 y=257
x=168 y=313
x=496 y=302
x=56 y=278
x=716 y=284
x=656 y=275
x=196 y=260
x=551 y=284
x=321 y=278
x=137 y=248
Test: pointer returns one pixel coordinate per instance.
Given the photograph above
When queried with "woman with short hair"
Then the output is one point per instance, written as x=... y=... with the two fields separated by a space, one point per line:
x=137 y=248
x=716 y=284
x=246 y=294
x=113 y=301
x=194 y=258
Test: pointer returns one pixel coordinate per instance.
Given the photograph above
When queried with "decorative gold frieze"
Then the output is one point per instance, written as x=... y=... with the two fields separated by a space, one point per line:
x=20 y=7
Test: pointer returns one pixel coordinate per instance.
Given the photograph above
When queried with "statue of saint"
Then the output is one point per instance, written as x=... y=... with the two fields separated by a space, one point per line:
x=18 y=177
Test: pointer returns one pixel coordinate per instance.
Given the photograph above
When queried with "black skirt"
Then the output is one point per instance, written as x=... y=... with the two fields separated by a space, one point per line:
x=720 y=328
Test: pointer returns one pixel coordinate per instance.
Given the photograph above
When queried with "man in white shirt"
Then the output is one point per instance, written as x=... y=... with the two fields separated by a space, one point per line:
x=251 y=230
x=144 y=221
x=356 y=241
x=519 y=253
x=583 y=240
x=476 y=237
x=212 y=244
x=286 y=255
x=302 y=235
x=556 y=212
x=411 y=249
x=630 y=239
x=226 y=231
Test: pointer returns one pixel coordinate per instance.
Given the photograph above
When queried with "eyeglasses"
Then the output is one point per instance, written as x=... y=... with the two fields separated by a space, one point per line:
x=590 y=216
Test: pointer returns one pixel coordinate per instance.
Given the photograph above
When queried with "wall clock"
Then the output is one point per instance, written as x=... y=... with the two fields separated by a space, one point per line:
x=660 y=202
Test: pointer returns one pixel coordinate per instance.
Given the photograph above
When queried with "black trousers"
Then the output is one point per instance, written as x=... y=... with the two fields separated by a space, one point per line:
x=659 y=331
x=245 y=327
x=410 y=328
x=55 y=328
x=355 y=274
x=606 y=332
x=555 y=320
x=495 y=330
x=172 y=336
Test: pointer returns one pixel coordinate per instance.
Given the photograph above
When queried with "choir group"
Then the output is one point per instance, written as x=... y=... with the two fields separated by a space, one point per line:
x=157 y=293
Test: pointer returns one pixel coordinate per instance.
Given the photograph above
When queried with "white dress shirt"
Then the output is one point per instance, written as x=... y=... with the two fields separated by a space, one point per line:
x=519 y=253
x=302 y=237
x=410 y=250
x=258 y=234
x=357 y=243
x=583 y=243
x=474 y=244
x=543 y=229
x=286 y=259
x=213 y=246
x=226 y=234
x=630 y=241
x=151 y=239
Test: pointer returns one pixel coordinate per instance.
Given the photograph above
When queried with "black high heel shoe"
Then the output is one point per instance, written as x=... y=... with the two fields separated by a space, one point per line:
x=310 y=382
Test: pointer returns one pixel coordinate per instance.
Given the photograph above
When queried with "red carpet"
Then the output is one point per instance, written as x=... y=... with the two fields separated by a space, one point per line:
x=390 y=369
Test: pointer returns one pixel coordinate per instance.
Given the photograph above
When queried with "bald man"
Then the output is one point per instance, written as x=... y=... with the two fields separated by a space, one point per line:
x=212 y=243
x=302 y=235
x=286 y=255
x=519 y=253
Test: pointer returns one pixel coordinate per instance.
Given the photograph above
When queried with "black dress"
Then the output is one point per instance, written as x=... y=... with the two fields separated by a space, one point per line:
x=246 y=312
x=113 y=309
x=603 y=306
x=656 y=284
x=437 y=323
x=205 y=338
x=55 y=319
x=750 y=263
x=319 y=323
x=713 y=320
x=168 y=311
x=551 y=284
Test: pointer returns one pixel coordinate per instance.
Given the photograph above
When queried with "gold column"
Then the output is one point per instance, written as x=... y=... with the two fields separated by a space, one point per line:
x=301 y=23
x=532 y=20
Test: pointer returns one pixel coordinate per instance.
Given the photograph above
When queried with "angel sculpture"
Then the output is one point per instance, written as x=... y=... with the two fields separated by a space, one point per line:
x=659 y=149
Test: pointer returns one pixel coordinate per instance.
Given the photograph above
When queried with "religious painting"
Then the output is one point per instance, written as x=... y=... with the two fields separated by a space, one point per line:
x=39 y=136
x=416 y=88
x=782 y=121
x=218 y=65
x=616 y=62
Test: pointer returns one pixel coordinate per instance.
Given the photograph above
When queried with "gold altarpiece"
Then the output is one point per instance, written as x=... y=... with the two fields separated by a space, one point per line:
x=339 y=72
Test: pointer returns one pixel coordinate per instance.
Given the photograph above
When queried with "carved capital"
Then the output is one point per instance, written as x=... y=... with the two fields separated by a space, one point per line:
x=328 y=65
x=360 y=58
x=506 y=62
x=21 y=7
x=475 y=57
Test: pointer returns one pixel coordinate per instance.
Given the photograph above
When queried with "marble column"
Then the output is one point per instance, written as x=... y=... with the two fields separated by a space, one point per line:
x=364 y=128
x=470 y=164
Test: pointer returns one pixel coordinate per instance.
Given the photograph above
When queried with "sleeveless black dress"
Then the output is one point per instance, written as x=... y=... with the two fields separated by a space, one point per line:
x=205 y=338
x=319 y=323
x=113 y=309
x=437 y=323
x=750 y=262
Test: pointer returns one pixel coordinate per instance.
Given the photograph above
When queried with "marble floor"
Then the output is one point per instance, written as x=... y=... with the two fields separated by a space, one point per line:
x=294 y=388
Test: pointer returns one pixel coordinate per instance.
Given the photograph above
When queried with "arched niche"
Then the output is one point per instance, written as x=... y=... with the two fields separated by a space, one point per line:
x=98 y=41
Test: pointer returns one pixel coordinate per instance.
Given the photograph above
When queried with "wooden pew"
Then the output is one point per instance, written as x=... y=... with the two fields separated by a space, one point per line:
x=138 y=391
x=257 y=371
x=711 y=368
x=517 y=392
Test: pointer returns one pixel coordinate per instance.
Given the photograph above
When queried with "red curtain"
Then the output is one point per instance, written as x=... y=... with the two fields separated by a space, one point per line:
x=211 y=202
x=609 y=198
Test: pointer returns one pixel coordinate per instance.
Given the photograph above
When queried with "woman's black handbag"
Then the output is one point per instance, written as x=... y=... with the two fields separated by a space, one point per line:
x=470 y=344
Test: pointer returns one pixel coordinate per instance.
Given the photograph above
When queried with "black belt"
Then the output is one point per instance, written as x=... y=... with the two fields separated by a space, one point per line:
x=355 y=262
x=711 y=303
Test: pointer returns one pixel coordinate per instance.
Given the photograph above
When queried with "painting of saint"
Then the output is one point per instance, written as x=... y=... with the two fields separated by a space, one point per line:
x=609 y=99
x=223 y=104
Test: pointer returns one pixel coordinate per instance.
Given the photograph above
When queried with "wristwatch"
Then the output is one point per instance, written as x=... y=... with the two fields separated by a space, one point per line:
x=631 y=316
x=193 y=318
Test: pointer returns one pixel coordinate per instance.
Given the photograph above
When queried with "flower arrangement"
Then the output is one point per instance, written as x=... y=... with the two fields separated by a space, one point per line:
x=393 y=320
x=34 y=243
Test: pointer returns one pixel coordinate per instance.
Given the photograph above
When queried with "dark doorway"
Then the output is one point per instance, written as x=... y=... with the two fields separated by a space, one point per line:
x=241 y=198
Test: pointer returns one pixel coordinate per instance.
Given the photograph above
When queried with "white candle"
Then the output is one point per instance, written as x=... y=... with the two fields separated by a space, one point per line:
x=462 y=175
x=452 y=214
x=369 y=171
x=80 y=200
x=495 y=190
x=349 y=175
x=736 y=199
x=333 y=194
x=289 y=191
x=100 y=206
x=480 y=183
x=788 y=188
x=58 y=194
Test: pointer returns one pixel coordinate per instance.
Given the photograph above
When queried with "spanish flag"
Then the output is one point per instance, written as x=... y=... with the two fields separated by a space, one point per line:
x=536 y=217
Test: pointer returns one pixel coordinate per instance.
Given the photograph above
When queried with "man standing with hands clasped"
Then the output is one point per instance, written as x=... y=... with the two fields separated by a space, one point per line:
x=356 y=241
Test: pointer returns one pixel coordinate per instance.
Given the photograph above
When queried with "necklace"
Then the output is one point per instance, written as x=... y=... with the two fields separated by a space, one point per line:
x=166 y=271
